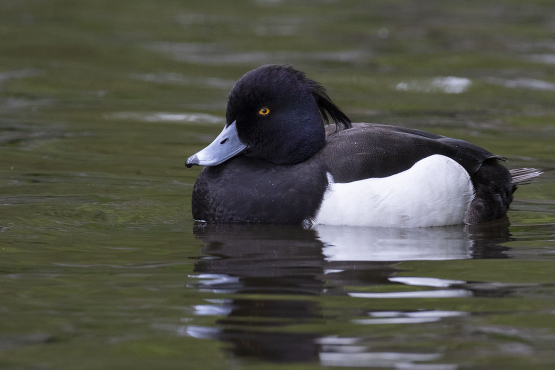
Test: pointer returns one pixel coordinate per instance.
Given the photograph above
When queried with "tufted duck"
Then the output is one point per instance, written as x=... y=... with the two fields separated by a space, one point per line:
x=276 y=162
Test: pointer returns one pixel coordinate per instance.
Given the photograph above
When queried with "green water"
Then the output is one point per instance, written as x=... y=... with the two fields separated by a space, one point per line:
x=101 y=265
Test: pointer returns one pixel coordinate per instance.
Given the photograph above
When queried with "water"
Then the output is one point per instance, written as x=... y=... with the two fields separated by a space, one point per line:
x=102 y=266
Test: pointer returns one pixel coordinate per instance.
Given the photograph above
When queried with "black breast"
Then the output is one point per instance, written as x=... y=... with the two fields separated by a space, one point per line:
x=251 y=190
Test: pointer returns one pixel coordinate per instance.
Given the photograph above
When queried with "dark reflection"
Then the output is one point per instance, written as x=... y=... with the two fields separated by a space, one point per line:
x=487 y=237
x=264 y=345
x=265 y=259
x=275 y=261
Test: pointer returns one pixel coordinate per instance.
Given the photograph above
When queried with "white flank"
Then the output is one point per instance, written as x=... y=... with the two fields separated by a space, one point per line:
x=436 y=191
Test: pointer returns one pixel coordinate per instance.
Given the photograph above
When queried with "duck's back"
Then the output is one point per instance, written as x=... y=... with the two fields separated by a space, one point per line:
x=377 y=151
x=371 y=150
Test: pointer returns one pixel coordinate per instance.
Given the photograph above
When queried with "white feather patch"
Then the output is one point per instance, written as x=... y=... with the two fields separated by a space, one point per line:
x=436 y=191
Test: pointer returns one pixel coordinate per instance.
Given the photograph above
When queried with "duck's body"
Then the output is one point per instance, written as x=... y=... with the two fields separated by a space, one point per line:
x=280 y=165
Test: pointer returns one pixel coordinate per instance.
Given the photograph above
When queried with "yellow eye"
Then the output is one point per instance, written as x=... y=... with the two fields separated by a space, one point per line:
x=264 y=111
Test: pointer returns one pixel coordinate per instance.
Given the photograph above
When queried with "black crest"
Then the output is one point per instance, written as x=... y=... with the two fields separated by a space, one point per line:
x=328 y=109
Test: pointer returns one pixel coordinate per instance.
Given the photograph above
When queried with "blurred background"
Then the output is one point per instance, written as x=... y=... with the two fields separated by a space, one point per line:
x=101 y=265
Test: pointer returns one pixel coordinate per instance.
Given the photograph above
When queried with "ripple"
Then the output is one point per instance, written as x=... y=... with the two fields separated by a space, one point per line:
x=20 y=103
x=179 y=79
x=447 y=85
x=523 y=83
x=335 y=340
x=213 y=53
x=417 y=317
x=430 y=282
x=22 y=73
x=375 y=359
x=199 y=332
x=211 y=310
x=166 y=117
x=543 y=58
x=444 y=293
x=130 y=266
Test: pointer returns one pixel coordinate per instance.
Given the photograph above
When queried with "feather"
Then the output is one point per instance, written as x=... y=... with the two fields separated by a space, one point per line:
x=523 y=176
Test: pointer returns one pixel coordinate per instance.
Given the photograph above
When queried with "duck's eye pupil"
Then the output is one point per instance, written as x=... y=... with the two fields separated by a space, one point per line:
x=264 y=111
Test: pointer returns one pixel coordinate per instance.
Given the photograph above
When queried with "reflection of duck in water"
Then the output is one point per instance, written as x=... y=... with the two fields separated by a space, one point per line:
x=264 y=263
x=293 y=260
x=269 y=259
x=262 y=260
x=274 y=162
x=351 y=243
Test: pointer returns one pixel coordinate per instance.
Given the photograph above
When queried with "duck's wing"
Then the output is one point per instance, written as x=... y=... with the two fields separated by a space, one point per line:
x=371 y=150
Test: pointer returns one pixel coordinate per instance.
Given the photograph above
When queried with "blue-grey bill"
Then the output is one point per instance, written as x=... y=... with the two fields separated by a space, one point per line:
x=225 y=146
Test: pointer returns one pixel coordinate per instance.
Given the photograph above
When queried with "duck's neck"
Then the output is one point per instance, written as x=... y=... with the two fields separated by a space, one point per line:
x=305 y=145
x=295 y=147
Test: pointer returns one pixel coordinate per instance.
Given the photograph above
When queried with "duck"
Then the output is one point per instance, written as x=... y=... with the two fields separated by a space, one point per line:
x=289 y=155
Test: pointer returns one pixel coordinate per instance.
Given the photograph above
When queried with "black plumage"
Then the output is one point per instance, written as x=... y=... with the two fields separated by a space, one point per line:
x=281 y=176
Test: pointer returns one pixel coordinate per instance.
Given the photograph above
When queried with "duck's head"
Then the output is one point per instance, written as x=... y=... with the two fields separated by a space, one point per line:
x=274 y=113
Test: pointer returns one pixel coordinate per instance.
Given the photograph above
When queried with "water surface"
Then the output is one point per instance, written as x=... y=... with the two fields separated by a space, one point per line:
x=102 y=265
